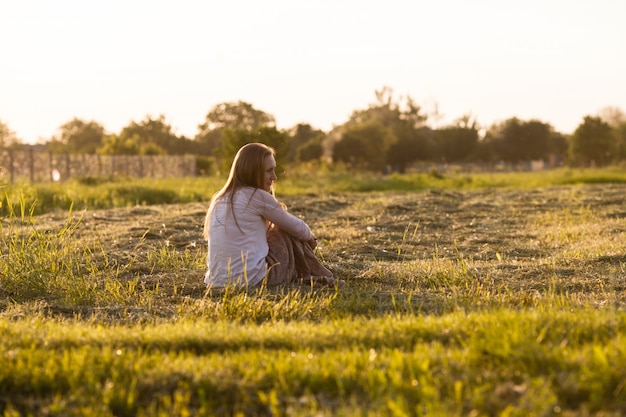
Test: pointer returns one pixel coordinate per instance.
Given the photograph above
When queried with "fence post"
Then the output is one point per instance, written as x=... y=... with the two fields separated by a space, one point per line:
x=67 y=166
x=140 y=166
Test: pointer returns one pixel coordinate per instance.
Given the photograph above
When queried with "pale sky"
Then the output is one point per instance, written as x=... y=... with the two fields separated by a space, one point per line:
x=306 y=61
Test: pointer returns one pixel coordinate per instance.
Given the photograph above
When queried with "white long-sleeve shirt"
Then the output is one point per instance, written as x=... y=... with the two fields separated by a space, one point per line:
x=237 y=254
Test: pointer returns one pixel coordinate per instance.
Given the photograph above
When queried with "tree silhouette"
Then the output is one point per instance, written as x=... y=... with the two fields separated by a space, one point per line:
x=515 y=140
x=455 y=143
x=364 y=146
x=390 y=131
x=116 y=145
x=592 y=142
x=78 y=136
x=230 y=115
x=305 y=143
x=154 y=136
x=236 y=138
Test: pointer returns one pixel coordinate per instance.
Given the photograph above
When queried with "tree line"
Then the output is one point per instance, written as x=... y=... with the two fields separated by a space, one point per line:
x=391 y=133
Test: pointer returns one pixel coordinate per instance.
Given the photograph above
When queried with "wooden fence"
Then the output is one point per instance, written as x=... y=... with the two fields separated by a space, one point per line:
x=40 y=166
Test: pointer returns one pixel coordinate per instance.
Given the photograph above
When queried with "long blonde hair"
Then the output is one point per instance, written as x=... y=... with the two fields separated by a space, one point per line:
x=247 y=170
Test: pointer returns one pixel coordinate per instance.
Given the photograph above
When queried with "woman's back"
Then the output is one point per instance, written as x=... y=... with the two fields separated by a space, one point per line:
x=237 y=239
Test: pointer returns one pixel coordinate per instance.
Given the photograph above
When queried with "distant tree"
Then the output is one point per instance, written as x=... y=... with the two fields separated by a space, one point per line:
x=620 y=142
x=559 y=145
x=231 y=115
x=78 y=136
x=515 y=140
x=592 y=143
x=394 y=114
x=405 y=141
x=484 y=152
x=535 y=138
x=209 y=142
x=303 y=134
x=8 y=139
x=365 y=146
x=410 y=145
x=116 y=145
x=236 y=138
x=458 y=142
x=616 y=118
x=278 y=140
x=310 y=151
x=467 y=121
x=455 y=144
x=153 y=136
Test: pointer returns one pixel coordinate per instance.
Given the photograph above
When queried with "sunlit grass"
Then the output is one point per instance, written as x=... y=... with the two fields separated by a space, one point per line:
x=530 y=361
x=458 y=302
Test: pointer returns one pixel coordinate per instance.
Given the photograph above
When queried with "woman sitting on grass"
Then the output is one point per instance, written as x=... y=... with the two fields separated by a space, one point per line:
x=251 y=236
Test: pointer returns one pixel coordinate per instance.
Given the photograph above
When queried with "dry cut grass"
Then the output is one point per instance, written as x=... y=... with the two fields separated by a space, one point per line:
x=440 y=249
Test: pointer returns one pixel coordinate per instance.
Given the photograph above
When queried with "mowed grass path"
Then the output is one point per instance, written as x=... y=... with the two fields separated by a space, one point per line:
x=458 y=302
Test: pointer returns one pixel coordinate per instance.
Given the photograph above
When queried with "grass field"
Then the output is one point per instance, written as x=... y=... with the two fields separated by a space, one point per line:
x=482 y=295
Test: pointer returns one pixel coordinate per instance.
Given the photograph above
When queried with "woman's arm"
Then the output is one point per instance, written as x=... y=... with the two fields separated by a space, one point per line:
x=275 y=213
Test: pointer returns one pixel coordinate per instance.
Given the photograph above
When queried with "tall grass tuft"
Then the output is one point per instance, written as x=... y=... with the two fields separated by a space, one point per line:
x=43 y=263
x=53 y=265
